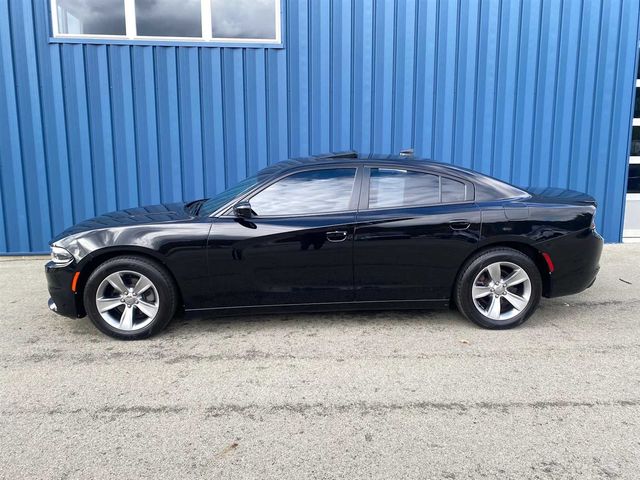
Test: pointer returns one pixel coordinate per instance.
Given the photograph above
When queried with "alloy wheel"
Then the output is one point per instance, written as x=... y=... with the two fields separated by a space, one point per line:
x=501 y=290
x=127 y=300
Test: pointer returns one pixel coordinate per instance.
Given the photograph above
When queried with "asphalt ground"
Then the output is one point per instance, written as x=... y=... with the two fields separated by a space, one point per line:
x=356 y=395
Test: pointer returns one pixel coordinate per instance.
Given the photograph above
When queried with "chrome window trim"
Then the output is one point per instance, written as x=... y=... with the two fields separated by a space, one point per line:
x=364 y=197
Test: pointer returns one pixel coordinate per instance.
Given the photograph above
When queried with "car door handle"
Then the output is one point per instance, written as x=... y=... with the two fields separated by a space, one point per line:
x=459 y=224
x=337 y=236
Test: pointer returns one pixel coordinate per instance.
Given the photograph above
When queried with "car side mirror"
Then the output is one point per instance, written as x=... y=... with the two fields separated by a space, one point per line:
x=243 y=209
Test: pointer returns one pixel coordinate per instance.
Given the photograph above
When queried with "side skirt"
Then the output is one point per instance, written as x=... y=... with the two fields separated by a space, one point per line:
x=326 y=307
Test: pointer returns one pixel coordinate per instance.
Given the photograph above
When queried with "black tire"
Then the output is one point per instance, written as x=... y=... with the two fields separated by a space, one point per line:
x=475 y=266
x=162 y=281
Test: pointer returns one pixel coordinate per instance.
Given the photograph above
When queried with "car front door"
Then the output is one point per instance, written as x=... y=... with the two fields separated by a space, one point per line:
x=296 y=246
x=414 y=229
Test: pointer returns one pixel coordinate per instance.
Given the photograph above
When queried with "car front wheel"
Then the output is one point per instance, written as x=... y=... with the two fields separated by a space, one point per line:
x=498 y=288
x=130 y=298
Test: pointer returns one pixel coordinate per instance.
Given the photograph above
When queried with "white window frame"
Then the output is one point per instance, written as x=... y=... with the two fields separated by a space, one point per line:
x=132 y=34
x=630 y=235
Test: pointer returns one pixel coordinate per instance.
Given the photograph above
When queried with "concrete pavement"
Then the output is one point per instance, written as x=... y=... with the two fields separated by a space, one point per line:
x=358 y=395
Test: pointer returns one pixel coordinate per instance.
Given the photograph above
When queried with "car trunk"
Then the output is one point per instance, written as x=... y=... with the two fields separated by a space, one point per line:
x=560 y=195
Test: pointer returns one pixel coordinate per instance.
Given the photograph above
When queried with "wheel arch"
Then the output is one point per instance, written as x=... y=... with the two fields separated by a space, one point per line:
x=529 y=250
x=97 y=258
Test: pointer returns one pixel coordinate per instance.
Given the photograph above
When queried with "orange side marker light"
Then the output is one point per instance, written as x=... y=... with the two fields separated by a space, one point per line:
x=74 y=282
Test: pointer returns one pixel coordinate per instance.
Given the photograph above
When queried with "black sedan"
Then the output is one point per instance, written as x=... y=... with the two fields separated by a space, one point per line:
x=339 y=232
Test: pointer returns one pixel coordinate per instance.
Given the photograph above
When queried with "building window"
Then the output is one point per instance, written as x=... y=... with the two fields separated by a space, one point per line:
x=87 y=17
x=633 y=181
x=229 y=20
x=631 y=231
x=163 y=18
x=220 y=21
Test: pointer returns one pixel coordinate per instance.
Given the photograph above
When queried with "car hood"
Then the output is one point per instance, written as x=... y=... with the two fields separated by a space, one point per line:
x=153 y=214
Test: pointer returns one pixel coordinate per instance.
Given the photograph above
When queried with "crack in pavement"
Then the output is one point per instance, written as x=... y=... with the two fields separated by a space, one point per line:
x=170 y=359
x=322 y=409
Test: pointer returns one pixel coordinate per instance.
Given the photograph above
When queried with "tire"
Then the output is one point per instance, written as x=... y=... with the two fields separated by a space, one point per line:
x=517 y=294
x=137 y=297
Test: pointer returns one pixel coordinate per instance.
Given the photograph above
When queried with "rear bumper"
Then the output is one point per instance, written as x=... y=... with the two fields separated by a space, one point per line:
x=63 y=301
x=576 y=259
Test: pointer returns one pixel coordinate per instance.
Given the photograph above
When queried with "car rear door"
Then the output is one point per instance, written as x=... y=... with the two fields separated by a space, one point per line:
x=414 y=229
x=296 y=248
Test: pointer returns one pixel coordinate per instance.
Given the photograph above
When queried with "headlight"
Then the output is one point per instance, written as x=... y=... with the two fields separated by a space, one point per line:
x=60 y=256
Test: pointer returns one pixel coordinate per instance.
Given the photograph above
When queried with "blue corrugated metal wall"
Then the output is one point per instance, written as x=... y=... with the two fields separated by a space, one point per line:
x=534 y=92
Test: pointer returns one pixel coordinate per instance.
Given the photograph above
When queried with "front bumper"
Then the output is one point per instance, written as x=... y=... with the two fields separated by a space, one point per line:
x=63 y=301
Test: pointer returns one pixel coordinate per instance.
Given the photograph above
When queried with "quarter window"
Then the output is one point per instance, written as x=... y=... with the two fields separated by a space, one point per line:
x=453 y=191
x=237 y=21
x=307 y=193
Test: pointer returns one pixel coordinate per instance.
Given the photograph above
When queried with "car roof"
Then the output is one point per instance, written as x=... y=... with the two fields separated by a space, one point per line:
x=486 y=187
x=350 y=158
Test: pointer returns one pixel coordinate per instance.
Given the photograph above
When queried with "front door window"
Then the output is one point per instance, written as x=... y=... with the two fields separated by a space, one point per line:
x=307 y=193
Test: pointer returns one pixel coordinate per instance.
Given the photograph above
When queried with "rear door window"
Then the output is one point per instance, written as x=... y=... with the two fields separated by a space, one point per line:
x=391 y=187
x=396 y=187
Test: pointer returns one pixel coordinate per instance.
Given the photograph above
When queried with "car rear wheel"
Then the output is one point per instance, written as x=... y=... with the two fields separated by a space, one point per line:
x=130 y=298
x=498 y=288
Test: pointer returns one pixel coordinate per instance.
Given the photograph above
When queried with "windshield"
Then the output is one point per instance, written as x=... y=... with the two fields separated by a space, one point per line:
x=214 y=203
